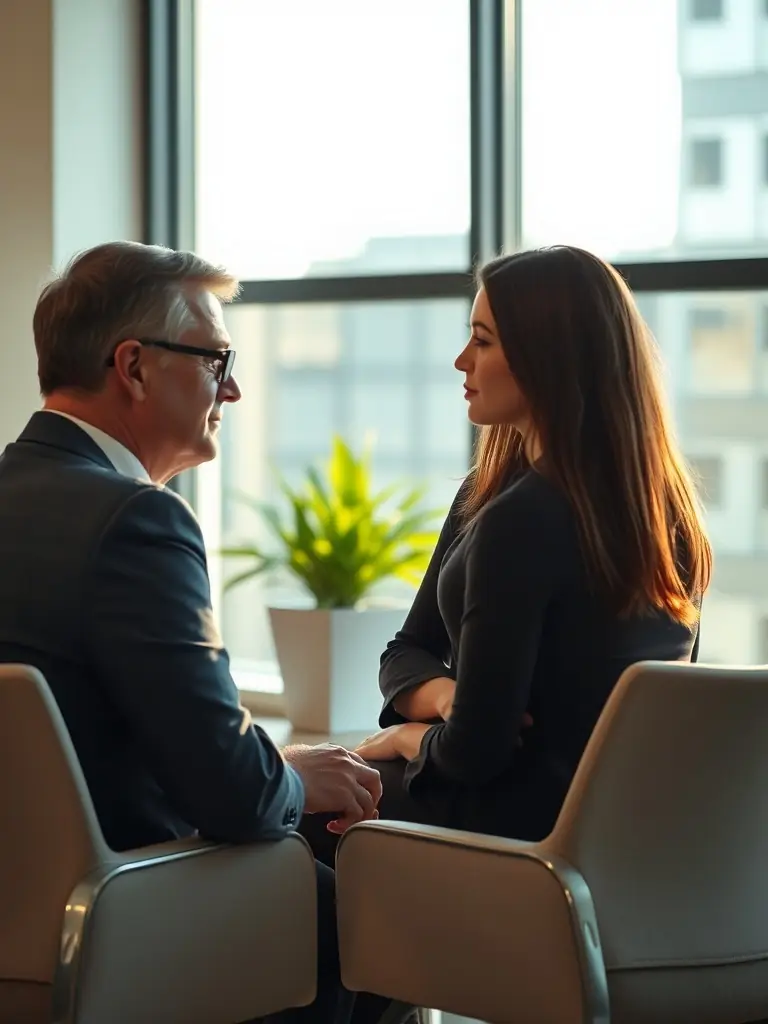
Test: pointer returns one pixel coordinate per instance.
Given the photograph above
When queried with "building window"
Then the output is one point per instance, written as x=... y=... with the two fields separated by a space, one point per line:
x=706 y=163
x=707 y=10
x=710 y=318
x=764 y=485
x=707 y=473
x=721 y=345
x=765 y=139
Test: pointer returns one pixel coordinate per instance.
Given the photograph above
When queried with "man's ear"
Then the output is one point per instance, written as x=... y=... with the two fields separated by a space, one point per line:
x=130 y=369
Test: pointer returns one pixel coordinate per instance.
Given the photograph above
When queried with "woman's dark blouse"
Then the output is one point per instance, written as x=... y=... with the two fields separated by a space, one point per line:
x=506 y=610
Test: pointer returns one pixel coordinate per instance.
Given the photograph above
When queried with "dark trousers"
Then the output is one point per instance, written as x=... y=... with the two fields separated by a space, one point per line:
x=333 y=1004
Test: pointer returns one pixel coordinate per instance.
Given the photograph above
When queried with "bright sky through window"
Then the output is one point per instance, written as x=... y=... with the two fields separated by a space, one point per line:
x=324 y=125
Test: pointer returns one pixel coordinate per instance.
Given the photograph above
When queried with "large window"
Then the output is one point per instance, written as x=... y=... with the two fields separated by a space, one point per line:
x=353 y=161
x=333 y=137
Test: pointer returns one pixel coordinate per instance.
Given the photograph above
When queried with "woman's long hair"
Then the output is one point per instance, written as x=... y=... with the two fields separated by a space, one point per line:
x=590 y=371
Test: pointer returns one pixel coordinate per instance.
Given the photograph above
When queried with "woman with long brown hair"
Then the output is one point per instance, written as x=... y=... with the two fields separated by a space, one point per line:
x=574 y=549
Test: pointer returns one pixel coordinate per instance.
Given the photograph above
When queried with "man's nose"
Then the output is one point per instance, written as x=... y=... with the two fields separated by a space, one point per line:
x=230 y=391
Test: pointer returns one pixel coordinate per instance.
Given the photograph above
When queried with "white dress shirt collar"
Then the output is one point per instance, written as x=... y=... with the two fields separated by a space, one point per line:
x=122 y=459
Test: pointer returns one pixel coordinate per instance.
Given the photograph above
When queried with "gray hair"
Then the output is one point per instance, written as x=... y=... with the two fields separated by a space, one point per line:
x=112 y=292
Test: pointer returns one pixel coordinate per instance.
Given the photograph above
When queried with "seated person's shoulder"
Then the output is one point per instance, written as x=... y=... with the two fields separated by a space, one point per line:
x=157 y=503
x=529 y=526
x=153 y=510
x=532 y=504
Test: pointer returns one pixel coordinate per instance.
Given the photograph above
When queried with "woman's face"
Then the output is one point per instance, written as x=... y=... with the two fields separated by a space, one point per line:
x=490 y=389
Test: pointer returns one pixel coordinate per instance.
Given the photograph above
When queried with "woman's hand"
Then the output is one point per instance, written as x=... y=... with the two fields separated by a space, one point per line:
x=396 y=741
x=405 y=741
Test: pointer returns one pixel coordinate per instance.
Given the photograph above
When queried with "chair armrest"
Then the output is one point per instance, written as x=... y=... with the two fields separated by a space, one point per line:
x=480 y=926
x=191 y=932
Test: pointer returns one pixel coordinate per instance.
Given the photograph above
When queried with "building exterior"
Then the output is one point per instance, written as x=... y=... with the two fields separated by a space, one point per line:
x=716 y=345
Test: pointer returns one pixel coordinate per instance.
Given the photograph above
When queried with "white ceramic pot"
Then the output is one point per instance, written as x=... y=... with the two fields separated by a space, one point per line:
x=329 y=661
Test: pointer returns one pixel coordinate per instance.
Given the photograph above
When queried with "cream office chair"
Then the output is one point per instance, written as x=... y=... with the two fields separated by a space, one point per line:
x=181 y=933
x=648 y=903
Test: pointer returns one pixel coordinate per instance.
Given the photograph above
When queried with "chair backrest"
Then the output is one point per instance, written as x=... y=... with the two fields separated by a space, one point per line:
x=50 y=836
x=667 y=820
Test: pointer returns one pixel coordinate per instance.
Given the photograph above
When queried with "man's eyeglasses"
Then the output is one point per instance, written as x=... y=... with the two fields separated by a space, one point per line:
x=224 y=357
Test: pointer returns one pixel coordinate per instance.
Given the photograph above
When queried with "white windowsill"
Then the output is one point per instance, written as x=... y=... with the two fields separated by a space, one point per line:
x=256 y=675
x=260 y=687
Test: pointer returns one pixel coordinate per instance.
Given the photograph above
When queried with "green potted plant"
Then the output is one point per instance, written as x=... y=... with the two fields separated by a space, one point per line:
x=340 y=541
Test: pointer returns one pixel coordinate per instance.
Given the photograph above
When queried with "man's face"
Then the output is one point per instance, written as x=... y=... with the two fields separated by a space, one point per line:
x=186 y=399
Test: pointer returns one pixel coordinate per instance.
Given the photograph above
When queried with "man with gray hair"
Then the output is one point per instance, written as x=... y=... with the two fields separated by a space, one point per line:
x=103 y=578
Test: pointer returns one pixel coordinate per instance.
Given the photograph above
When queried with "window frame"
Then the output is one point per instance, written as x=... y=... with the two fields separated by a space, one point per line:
x=495 y=145
x=495 y=182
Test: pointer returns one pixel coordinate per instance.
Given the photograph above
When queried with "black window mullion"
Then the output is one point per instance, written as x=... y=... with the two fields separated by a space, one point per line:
x=487 y=114
x=169 y=120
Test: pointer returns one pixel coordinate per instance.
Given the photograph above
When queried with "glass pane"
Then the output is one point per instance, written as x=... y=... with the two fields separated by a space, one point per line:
x=715 y=349
x=333 y=137
x=307 y=372
x=644 y=126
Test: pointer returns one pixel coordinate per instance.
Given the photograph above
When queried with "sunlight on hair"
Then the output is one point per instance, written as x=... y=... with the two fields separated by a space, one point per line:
x=179 y=317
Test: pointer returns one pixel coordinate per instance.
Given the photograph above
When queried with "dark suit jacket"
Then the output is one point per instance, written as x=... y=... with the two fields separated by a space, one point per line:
x=104 y=588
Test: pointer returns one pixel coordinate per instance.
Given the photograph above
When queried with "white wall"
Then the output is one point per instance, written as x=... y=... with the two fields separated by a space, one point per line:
x=70 y=118
x=97 y=132
x=26 y=196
